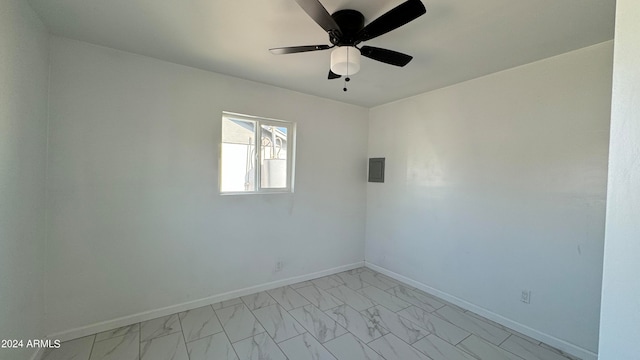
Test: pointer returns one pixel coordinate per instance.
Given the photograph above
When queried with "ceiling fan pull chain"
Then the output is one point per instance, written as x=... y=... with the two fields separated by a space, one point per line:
x=346 y=79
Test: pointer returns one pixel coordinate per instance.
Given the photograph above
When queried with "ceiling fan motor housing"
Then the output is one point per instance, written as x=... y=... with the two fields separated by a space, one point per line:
x=350 y=22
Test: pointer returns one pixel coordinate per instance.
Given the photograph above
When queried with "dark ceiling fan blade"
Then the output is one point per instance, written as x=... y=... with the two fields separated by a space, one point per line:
x=299 y=49
x=386 y=56
x=320 y=15
x=333 y=75
x=393 y=19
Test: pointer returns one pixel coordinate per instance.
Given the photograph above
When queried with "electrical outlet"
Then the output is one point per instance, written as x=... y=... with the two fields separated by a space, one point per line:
x=279 y=265
x=525 y=297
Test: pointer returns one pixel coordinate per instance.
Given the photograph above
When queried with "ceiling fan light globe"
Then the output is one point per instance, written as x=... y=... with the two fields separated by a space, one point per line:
x=345 y=60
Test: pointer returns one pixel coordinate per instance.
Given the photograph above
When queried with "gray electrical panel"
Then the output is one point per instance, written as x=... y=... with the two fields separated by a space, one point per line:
x=376 y=170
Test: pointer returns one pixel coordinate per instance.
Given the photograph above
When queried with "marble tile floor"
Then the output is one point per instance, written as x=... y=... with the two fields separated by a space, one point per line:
x=357 y=314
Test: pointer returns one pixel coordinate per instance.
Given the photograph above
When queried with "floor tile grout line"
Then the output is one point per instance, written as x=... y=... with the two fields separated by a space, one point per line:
x=482 y=318
x=276 y=343
x=204 y=337
x=424 y=337
x=501 y=348
x=224 y=307
x=296 y=290
x=377 y=303
x=293 y=337
x=225 y=332
x=254 y=334
x=345 y=334
x=282 y=351
x=463 y=350
x=113 y=337
x=299 y=306
x=422 y=352
x=184 y=338
x=518 y=356
x=319 y=289
x=335 y=338
x=93 y=344
x=330 y=318
x=374 y=350
x=182 y=326
x=431 y=306
x=505 y=340
x=465 y=330
x=378 y=353
x=265 y=329
x=278 y=302
x=401 y=339
x=460 y=342
x=435 y=313
x=510 y=331
x=511 y=352
x=456 y=345
x=250 y=336
x=249 y=307
x=556 y=351
x=360 y=313
x=391 y=332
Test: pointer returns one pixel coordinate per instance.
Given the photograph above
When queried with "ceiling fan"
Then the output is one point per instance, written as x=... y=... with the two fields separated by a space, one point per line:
x=346 y=31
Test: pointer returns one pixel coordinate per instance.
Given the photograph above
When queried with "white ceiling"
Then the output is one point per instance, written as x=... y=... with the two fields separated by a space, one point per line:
x=456 y=40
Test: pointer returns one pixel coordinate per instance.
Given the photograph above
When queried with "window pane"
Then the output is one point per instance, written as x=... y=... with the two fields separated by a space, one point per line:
x=273 y=159
x=237 y=170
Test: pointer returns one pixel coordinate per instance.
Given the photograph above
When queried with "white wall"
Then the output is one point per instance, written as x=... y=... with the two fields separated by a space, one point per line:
x=497 y=185
x=23 y=129
x=135 y=219
x=620 y=315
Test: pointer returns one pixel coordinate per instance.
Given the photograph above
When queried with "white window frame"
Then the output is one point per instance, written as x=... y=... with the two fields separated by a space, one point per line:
x=291 y=149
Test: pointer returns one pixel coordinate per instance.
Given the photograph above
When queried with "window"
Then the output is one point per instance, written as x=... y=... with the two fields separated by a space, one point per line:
x=256 y=155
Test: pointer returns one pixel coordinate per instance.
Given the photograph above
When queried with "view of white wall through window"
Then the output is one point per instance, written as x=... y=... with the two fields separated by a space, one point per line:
x=256 y=154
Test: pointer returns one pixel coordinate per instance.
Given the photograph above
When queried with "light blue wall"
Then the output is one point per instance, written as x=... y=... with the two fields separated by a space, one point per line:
x=620 y=318
x=23 y=132
x=497 y=185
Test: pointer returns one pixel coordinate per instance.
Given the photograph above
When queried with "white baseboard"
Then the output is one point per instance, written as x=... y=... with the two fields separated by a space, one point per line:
x=533 y=333
x=169 y=310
